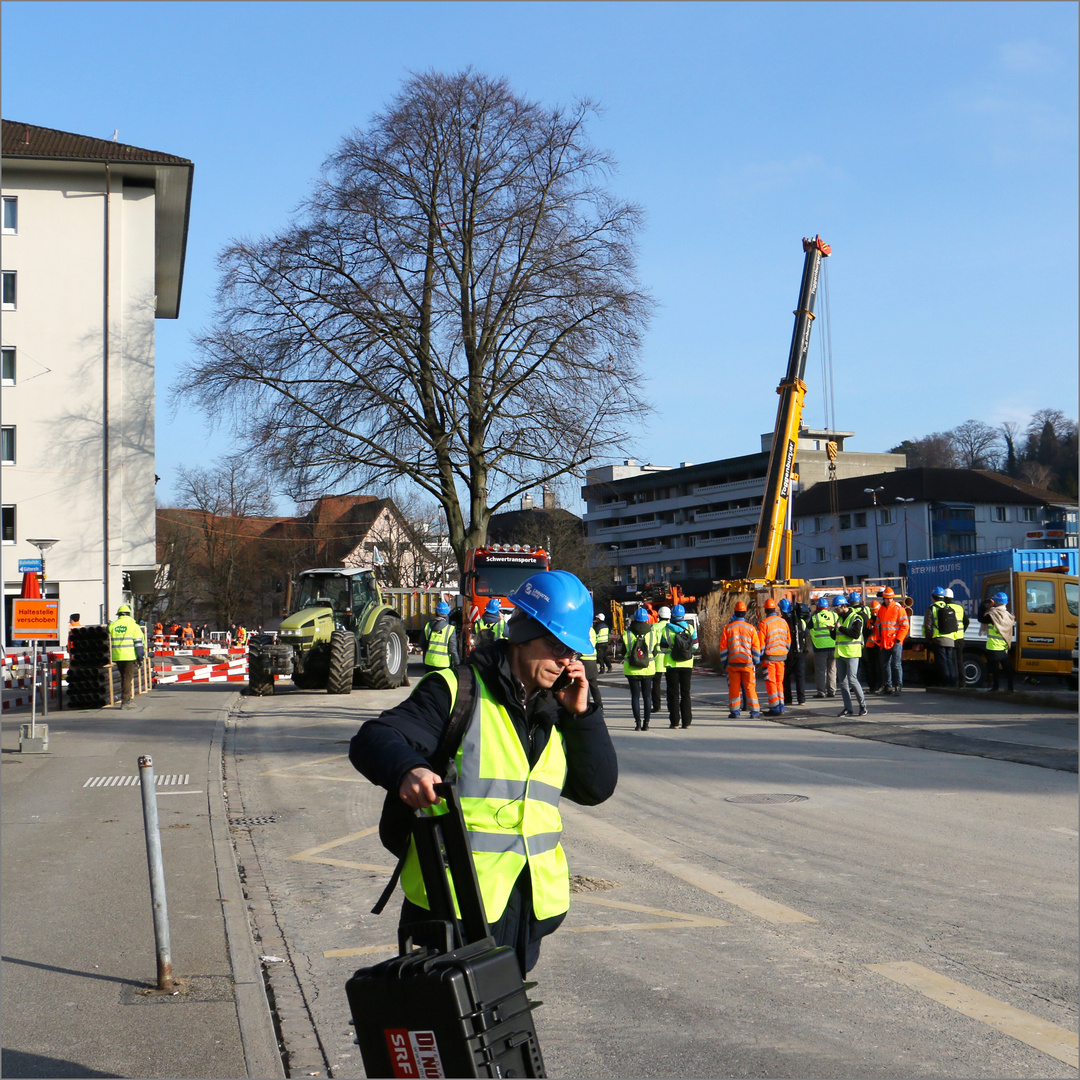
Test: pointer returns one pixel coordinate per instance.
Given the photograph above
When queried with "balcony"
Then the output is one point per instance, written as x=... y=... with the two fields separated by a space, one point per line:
x=630 y=555
x=635 y=526
x=739 y=511
x=735 y=485
x=603 y=509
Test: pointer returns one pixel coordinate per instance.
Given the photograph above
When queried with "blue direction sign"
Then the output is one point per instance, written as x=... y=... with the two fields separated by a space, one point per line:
x=29 y=566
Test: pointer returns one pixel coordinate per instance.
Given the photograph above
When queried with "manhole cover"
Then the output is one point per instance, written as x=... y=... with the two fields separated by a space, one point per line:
x=770 y=798
x=270 y=819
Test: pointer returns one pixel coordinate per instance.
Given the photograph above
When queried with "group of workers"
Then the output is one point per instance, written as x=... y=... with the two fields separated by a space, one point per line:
x=655 y=653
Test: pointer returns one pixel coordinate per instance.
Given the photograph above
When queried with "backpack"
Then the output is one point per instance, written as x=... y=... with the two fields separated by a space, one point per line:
x=682 y=646
x=946 y=620
x=482 y=638
x=639 y=655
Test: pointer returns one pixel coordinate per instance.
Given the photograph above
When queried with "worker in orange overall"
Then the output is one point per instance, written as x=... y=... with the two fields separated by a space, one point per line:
x=740 y=651
x=775 y=643
x=187 y=637
x=891 y=628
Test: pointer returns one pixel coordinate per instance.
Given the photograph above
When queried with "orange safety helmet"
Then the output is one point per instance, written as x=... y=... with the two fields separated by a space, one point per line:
x=740 y=606
x=770 y=604
x=874 y=605
x=887 y=593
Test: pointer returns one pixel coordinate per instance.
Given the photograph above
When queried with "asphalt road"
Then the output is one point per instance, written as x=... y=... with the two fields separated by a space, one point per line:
x=908 y=913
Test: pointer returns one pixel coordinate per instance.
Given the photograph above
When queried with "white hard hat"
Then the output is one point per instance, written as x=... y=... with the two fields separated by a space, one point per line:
x=665 y=613
x=600 y=617
x=948 y=594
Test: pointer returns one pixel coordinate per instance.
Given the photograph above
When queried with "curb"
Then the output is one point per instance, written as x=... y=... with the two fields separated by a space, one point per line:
x=262 y=1055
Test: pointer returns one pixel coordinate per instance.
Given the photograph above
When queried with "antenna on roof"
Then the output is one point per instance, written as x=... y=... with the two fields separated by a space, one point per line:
x=116 y=135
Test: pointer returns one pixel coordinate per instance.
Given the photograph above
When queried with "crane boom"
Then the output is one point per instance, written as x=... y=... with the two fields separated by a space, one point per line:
x=792 y=390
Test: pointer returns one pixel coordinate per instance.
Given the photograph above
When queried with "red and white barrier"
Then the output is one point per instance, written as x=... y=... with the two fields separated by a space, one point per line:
x=233 y=671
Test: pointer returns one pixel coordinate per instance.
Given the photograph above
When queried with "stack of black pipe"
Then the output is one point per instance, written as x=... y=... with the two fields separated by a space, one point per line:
x=89 y=673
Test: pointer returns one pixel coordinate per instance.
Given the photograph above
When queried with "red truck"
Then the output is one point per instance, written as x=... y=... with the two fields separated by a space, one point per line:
x=495 y=571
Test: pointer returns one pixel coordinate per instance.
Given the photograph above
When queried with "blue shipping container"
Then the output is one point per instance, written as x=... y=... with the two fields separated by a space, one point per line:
x=961 y=573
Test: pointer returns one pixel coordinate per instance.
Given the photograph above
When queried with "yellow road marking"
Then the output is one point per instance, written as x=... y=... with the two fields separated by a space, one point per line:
x=677 y=919
x=311 y=854
x=304 y=765
x=737 y=895
x=1023 y=1026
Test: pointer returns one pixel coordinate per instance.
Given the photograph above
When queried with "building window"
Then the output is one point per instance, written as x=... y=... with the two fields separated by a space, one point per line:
x=1029 y=513
x=7 y=446
x=819 y=555
x=8 y=524
x=11 y=214
x=7 y=361
x=818 y=524
x=798 y=556
x=862 y=551
x=1001 y=513
x=845 y=553
x=860 y=521
x=845 y=521
x=7 y=293
x=886 y=515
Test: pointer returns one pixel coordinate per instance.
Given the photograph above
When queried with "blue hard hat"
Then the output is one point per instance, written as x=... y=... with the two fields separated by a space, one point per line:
x=939 y=591
x=678 y=612
x=1000 y=598
x=442 y=608
x=784 y=605
x=559 y=602
x=838 y=601
x=493 y=607
x=822 y=601
x=854 y=598
x=641 y=615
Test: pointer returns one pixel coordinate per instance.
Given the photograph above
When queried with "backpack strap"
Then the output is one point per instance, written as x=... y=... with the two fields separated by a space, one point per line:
x=440 y=761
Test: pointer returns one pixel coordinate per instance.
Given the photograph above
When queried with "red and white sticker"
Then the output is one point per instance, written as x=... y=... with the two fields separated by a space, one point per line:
x=413 y=1054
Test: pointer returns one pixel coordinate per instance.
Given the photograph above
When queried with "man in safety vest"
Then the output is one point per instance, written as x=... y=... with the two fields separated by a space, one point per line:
x=998 y=625
x=187 y=636
x=939 y=628
x=679 y=669
x=526 y=746
x=603 y=643
x=126 y=638
x=891 y=628
x=740 y=652
x=963 y=620
x=440 y=646
x=823 y=642
x=490 y=625
x=775 y=643
x=639 y=665
x=592 y=672
x=849 y=647
x=661 y=659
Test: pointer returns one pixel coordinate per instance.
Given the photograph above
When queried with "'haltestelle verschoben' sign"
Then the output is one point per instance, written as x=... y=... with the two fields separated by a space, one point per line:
x=35 y=619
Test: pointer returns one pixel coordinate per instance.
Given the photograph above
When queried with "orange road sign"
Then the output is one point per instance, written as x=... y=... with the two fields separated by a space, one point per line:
x=35 y=619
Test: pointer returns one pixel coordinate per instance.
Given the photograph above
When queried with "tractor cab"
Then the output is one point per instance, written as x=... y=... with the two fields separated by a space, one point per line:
x=347 y=594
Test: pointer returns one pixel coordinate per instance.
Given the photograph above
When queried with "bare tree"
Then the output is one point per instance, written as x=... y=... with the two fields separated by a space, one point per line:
x=457 y=307
x=935 y=451
x=977 y=444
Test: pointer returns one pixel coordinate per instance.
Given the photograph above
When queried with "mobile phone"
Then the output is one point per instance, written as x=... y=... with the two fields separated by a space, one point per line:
x=562 y=682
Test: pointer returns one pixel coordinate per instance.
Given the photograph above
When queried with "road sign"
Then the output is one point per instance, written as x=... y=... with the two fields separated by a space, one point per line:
x=35 y=619
x=29 y=566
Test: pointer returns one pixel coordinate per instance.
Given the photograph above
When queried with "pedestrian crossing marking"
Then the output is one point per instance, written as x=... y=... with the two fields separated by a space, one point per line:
x=164 y=780
x=1056 y=1041
x=729 y=891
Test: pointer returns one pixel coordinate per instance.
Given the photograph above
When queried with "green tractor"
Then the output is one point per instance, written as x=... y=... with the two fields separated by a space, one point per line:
x=339 y=635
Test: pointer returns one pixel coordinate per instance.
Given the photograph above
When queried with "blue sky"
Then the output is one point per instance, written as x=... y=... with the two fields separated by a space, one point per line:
x=934 y=146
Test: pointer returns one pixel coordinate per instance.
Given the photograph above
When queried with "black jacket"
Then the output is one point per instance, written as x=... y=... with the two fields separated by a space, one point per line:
x=406 y=736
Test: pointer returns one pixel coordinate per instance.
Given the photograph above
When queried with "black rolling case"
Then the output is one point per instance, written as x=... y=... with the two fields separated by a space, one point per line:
x=452 y=1003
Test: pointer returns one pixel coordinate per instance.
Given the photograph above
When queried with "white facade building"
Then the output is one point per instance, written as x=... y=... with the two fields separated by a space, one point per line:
x=94 y=235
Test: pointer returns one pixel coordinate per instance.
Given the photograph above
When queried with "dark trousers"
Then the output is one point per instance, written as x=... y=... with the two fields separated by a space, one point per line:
x=591 y=677
x=795 y=678
x=127 y=680
x=945 y=665
x=657 y=686
x=958 y=660
x=875 y=674
x=678 y=695
x=997 y=660
x=640 y=697
x=603 y=656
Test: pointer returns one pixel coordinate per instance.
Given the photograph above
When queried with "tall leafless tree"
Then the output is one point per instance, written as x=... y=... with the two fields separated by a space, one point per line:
x=978 y=444
x=457 y=305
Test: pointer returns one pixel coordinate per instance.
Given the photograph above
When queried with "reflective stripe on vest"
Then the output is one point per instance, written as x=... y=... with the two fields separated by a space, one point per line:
x=740 y=641
x=671 y=632
x=777 y=636
x=650 y=643
x=820 y=626
x=603 y=635
x=592 y=640
x=849 y=647
x=959 y=631
x=995 y=640
x=511 y=811
x=437 y=653
x=124 y=632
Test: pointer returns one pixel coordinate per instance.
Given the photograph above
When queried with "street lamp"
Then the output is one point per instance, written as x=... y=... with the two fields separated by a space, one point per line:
x=873 y=493
x=43 y=546
x=900 y=499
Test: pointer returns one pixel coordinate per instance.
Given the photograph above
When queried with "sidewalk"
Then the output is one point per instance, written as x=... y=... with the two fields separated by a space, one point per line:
x=77 y=927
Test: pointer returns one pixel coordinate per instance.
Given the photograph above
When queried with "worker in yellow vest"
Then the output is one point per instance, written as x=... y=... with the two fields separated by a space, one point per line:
x=603 y=643
x=440 y=646
x=527 y=745
x=126 y=639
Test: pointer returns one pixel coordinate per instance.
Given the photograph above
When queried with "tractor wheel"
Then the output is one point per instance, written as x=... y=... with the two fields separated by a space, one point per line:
x=342 y=662
x=260 y=681
x=388 y=652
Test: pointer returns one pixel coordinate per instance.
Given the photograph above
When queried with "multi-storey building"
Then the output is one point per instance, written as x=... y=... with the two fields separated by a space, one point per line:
x=94 y=235
x=695 y=524
x=872 y=526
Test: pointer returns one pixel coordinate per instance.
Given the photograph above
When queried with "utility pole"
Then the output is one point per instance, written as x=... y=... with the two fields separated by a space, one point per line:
x=873 y=493
x=899 y=499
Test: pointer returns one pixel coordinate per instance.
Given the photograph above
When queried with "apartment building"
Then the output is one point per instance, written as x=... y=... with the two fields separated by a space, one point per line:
x=871 y=526
x=94 y=236
x=695 y=523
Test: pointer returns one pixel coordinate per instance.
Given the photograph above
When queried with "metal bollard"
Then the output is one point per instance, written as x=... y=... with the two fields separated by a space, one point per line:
x=157 y=873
